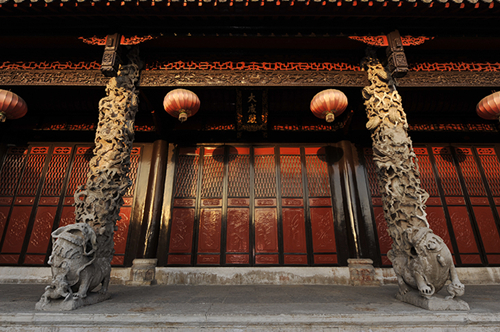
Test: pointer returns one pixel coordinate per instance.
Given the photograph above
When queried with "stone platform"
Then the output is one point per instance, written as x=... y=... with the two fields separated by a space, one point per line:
x=248 y=308
x=248 y=275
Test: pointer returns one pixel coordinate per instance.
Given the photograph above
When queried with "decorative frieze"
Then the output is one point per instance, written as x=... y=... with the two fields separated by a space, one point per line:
x=450 y=79
x=53 y=77
x=454 y=127
x=101 y=41
x=382 y=41
x=252 y=66
x=162 y=78
x=157 y=78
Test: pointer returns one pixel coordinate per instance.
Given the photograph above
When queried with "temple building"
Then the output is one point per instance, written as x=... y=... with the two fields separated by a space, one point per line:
x=254 y=178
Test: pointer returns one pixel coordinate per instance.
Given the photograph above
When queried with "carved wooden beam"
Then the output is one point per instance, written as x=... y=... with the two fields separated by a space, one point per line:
x=156 y=78
x=162 y=78
x=52 y=78
x=450 y=79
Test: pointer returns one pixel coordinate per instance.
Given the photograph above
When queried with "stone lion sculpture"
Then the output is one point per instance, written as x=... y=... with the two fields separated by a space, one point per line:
x=75 y=268
x=427 y=267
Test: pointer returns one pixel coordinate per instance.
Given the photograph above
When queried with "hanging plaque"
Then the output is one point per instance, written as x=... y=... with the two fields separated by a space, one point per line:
x=252 y=109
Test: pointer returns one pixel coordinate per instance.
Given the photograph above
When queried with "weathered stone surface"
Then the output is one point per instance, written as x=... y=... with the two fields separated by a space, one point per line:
x=420 y=258
x=249 y=308
x=82 y=252
x=75 y=267
x=72 y=303
x=143 y=272
x=98 y=203
x=224 y=275
x=436 y=302
x=362 y=272
x=253 y=276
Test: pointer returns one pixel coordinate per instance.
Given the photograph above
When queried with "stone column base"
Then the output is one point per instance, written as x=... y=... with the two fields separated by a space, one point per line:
x=143 y=272
x=362 y=272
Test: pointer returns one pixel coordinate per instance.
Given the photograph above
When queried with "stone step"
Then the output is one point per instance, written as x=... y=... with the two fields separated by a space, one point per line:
x=244 y=322
x=248 y=308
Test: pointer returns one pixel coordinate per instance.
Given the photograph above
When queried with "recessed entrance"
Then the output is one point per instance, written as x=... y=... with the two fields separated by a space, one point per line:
x=253 y=205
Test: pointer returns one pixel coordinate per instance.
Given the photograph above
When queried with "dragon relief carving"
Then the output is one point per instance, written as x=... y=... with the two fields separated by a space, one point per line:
x=420 y=258
x=87 y=246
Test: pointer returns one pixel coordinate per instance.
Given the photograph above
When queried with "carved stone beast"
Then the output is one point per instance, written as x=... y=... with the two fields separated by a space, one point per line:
x=75 y=268
x=428 y=265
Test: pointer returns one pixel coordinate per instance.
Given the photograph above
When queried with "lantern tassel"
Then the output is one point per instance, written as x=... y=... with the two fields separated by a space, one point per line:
x=182 y=116
x=2 y=117
x=329 y=117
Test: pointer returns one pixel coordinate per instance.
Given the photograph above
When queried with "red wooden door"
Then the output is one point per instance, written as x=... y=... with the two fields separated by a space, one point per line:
x=252 y=206
x=464 y=203
x=37 y=184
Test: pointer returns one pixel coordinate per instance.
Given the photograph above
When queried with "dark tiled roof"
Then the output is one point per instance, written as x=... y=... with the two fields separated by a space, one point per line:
x=239 y=3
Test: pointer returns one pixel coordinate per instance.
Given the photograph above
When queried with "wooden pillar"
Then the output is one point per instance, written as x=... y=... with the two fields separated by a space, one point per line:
x=359 y=215
x=362 y=246
x=154 y=199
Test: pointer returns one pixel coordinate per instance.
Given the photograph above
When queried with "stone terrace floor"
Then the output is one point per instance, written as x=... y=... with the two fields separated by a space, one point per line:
x=248 y=308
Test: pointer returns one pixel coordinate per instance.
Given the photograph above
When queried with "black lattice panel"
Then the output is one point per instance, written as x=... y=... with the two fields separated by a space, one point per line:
x=57 y=169
x=80 y=169
x=491 y=167
x=371 y=170
x=239 y=175
x=318 y=182
x=291 y=176
x=265 y=176
x=470 y=171
x=134 y=165
x=447 y=171
x=32 y=171
x=12 y=170
x=427 y=179
x=213 y=171
x=186 y=176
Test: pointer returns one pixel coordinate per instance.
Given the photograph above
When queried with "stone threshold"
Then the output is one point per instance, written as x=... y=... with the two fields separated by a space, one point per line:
x=249 y=276
x=78 y=322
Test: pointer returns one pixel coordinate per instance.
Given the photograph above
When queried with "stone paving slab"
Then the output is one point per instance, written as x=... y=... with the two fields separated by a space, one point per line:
x=248 y=308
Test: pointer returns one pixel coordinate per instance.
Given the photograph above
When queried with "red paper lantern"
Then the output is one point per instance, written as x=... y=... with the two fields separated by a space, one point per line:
x=11 y=106
x=489 y=107
x=181 y=104
x=328 y=103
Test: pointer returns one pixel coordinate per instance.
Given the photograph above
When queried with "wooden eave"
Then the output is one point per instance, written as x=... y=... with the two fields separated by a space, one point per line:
x=238 y=4
x=250 y=18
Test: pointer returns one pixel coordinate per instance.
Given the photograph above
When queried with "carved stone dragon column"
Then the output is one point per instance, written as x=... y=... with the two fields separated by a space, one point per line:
x=82 y=252
x=422 y=262
x=98 y=203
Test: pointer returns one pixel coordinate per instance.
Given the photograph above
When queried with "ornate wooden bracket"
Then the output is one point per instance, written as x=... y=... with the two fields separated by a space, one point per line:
x=111 y=57
x=396 y=58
